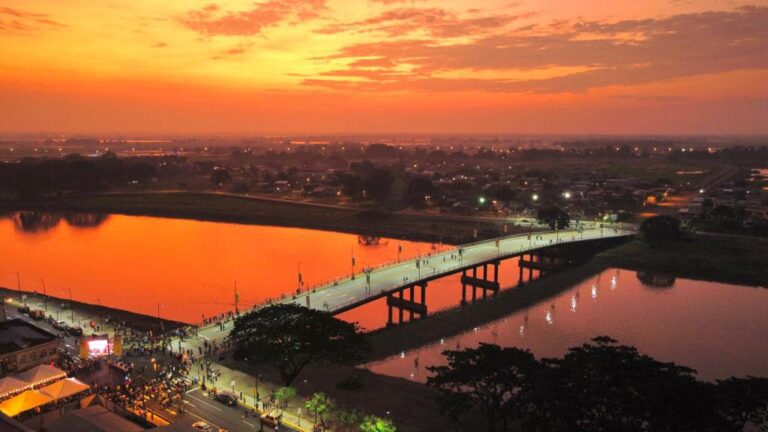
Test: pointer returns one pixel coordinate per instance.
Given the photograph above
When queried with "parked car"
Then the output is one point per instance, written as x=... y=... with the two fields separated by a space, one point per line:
x=74 y=331
x=23 y=309
x=59 y=325
x=227 y=398
x=37 y=314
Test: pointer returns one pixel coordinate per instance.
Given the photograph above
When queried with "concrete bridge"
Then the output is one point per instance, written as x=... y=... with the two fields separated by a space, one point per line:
x=404 y=283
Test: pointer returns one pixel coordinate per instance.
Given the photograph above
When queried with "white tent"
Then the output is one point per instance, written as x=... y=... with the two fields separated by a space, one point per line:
x=9 y=386
x=26 y=401
x=64 y=388
x=41 y=374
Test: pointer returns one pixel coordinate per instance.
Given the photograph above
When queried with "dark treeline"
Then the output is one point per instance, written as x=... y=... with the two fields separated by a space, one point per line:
x=598 y=386
x=32 y=178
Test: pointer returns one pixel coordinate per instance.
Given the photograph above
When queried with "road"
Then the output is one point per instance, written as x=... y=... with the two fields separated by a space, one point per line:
x=199 y=407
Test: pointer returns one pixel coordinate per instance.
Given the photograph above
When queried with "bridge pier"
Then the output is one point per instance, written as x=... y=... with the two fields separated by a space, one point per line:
x=486 y=282
x=397 y=300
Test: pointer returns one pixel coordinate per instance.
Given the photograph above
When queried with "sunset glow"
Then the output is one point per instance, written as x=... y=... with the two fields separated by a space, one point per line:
x=326 y=66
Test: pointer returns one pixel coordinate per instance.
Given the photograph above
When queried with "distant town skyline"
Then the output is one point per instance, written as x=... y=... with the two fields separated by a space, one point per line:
x=384 y=66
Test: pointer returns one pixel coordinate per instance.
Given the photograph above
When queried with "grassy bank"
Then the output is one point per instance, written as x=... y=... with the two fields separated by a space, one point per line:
x=731 y=259
x=390 y=341
x=248 y=210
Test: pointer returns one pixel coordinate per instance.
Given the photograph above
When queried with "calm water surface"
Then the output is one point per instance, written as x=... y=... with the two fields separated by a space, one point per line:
x=188 y=267
x=719 y=329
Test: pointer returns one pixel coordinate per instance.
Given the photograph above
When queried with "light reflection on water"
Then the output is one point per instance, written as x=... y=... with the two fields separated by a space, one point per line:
x=719 y=329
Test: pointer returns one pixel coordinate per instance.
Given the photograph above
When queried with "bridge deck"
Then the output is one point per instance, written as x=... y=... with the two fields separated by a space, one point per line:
x=349 y=293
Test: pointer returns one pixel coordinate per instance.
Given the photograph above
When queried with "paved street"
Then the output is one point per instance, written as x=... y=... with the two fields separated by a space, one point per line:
x=199 y=407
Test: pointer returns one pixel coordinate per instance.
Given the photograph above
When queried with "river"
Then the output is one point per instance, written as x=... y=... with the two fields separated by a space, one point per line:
x=720 y=330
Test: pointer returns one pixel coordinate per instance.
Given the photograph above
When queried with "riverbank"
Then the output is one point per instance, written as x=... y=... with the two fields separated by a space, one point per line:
x=85 y=313
x=254 y=210
x=718 y=258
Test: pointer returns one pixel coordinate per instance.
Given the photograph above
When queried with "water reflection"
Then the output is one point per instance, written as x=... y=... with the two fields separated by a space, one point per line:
x=33 y=222
x=85 y=220
x=655 y=280
x=190 y=267
x=693 y=323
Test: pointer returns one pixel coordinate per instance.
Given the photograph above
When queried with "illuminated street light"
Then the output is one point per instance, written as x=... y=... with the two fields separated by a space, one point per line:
x=535 y=197
x=481 y=200
x=567 y=195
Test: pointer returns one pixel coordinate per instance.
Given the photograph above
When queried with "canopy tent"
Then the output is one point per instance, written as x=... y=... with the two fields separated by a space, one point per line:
x=41 y=374
x=9 y=386
x=26 y=401
x=64 y=388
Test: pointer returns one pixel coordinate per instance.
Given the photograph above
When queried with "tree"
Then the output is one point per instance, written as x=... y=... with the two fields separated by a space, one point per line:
x=488 y=377
x=291 y=336
x=598 y=386
x=319 y=404
x=377 y=424
x=417 y=190
x=285 y=395
x=554 y=217
x=348 y=419
x=220 y=176
x=660 y=228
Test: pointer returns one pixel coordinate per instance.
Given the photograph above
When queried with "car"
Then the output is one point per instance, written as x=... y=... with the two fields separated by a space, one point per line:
x=270 y=419
x=37 y=314
x=206 y=427
x=74 y=331
x=59 y=325
x=227 y=398
x=23 y=309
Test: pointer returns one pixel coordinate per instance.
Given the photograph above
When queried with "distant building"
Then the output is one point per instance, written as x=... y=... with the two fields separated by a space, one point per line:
x=23 y=346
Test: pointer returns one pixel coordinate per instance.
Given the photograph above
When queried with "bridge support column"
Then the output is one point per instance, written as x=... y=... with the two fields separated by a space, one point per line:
x=486 y=281
x=407 y=303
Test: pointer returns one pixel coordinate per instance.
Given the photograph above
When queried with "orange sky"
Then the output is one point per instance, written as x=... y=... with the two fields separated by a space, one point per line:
x=268 y=66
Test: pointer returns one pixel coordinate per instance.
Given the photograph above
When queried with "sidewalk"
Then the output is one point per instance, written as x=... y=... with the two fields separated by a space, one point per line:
x=245 y=386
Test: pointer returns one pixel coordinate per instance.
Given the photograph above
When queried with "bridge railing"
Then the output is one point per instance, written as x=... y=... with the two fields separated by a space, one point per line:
x=463 y=263
x=335 y=281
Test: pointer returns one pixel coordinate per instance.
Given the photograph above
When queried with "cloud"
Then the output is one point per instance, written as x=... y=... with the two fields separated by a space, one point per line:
x=212 y=20
x=436 y=22
x=17 y=19
x=592 y=53
x=391 y=2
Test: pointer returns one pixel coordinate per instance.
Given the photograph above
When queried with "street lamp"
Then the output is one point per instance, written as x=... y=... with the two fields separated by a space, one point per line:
x=535 y=197
x=18 y=287
x=45 y=297
x=71 y=305
x=567 y=195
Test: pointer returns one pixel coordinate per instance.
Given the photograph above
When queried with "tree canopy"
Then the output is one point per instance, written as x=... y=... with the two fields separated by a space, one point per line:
x=290 y=337
x=659 y=228
x=598 y=386
x=554 y=217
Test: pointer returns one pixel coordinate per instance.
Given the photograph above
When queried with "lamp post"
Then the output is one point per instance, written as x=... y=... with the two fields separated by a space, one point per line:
x=71 y=306
x=101 y=319
x=45 y=297
x=18 y=287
